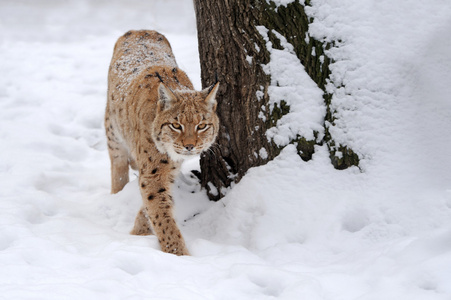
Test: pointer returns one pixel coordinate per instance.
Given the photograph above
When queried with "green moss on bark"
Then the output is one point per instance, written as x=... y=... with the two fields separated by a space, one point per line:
x=305 y=147
x=292 y=22
x=278 y=111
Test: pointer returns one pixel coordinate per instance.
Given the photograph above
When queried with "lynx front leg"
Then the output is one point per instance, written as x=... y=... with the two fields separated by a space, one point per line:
x=164 y=226
x=157 y=203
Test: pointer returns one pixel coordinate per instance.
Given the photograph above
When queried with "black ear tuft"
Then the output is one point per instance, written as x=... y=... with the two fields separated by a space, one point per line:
x=165 y=97
x=210 y=99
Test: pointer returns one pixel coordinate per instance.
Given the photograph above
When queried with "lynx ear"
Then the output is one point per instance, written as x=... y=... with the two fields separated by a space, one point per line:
x=210 y=99
x=165 y=97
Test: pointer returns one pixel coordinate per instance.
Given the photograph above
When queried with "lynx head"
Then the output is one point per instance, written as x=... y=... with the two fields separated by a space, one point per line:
x=186 y=122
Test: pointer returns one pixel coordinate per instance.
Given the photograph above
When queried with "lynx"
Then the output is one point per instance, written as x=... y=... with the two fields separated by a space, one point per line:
x=154 y=119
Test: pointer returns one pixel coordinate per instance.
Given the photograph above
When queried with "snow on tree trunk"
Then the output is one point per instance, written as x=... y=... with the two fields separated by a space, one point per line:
x=273 y=79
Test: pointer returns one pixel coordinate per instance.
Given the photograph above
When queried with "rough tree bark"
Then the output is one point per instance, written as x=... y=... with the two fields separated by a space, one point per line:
x=228 y=36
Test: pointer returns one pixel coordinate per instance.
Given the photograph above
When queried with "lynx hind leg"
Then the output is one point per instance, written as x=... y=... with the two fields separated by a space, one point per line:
x=119 y=168
x=142 y=225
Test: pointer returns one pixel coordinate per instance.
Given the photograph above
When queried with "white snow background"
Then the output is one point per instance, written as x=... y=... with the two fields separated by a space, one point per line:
x=290 y=229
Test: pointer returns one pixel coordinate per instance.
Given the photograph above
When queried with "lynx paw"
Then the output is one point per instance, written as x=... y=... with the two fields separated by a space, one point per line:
x=176 y=250
x=142 y=225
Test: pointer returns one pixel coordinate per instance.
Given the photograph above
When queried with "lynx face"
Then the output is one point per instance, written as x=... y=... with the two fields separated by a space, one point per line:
x=186 y=123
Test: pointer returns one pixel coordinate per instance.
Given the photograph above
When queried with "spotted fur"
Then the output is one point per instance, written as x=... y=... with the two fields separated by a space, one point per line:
x=154 y=119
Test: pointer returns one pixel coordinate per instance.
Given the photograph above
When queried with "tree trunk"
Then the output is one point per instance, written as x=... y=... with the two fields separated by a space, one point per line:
x=228 y=39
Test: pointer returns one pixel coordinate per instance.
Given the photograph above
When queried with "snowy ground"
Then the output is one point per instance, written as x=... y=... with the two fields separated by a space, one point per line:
x=288 y=230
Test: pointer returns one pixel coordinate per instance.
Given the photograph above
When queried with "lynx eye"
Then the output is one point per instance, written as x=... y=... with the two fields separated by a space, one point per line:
x=176 y=126
x=201 y=126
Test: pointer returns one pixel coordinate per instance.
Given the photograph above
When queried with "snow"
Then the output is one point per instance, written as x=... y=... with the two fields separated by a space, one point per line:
x=290 y=83
x=288 y=230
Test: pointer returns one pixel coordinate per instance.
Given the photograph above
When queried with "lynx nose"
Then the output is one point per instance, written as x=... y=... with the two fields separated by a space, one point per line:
x=189 y=147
